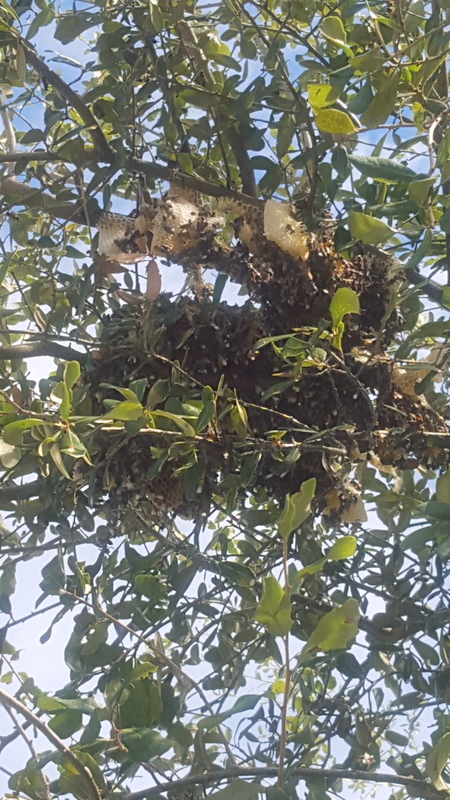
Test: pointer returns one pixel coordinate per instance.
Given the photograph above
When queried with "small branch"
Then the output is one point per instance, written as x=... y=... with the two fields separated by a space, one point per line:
x=29 y=744
x=19 y=492
x=38 y=155
x=42 y=348
x=96 y=133
x=89 y=783
x=416 y=787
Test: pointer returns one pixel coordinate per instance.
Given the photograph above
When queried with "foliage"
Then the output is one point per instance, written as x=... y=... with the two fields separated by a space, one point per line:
x=243 y=508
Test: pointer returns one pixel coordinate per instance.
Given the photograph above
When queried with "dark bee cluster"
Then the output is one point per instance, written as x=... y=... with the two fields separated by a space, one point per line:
x=272 y=427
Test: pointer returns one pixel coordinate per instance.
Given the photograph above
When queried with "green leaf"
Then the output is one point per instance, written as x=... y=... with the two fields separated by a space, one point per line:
x=8 y=579
x=142 y=704
x=429 y=654
x=72 y=252
x=422 y=251
x=72 y=782
x=28 y=781
x=297 y=507
x=274 y=608
x=41 y=20
x=383 y=169
x=125 y=411
x=383 y=103
x=419 y=191
x=369 y=229
x=60 y=393
x=144 y=744
x=248 y=468
x=239 y=574
x=319 y=95
x=55 y=454
x=397 y=738
x=66 y=723
x=332 y=28
x=13 y=432
x=72 y=446
x=181 y=423
x=244 y=703
x=345 y=547
x=436 y=762
x=21 y=64
x=238 y=416
x=443 y=487
x=149 y=586
x=238 y=790
x=435 y=509
x=207 y=413
x=334 y=630
x=70 y=26
x=185 y=163
x=370 y=61
x=330 y=120
x=344 y=301
x=285 y=132
x=72 y=372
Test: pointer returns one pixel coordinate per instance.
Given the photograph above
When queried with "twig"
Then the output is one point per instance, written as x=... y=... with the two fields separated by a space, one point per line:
x=87 y=779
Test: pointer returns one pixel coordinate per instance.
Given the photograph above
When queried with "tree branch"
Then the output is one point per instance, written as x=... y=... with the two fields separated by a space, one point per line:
x=417 y=788
x=38 y=155
x=431 y=289
x=41 y=348
x=89 y=783
x=21 y=194
x=21 y=491
x=96 y=133
x=160 y=172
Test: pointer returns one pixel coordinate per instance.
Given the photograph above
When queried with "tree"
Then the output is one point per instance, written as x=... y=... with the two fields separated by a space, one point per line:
x=244 y=508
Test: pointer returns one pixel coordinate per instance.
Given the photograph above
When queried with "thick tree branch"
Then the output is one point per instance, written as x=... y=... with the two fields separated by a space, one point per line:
x=41 y=348
x=38 y=155
x=160 y=172
x=96 y=133
x=89 y=783
x=21 y=491
x=417 y=788
x=21 y=194
x=431 y=289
